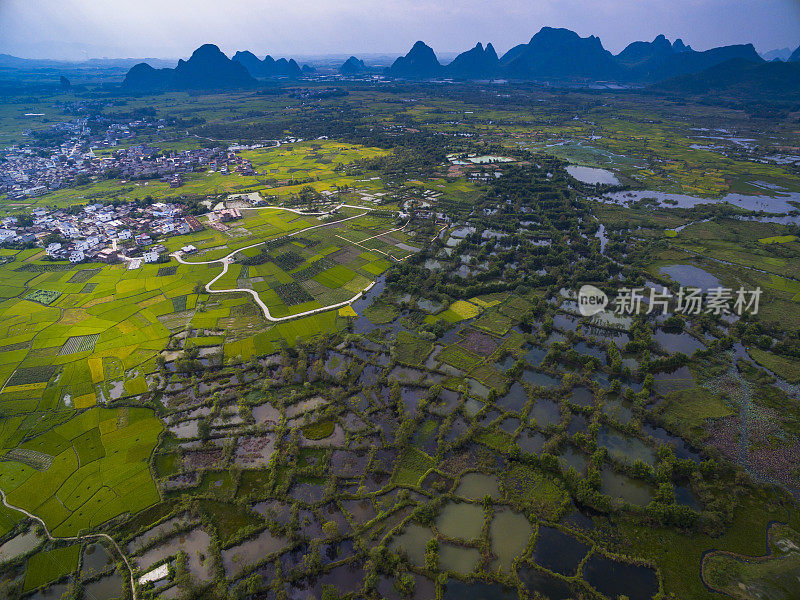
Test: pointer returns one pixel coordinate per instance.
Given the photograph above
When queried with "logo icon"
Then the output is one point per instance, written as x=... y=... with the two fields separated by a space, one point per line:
x=591 y=300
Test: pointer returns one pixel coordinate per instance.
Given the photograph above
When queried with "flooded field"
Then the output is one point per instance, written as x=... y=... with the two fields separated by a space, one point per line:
x=246 y=553
x=625 y=448
x=630 y=490
x=545 y=412
x=194 y=544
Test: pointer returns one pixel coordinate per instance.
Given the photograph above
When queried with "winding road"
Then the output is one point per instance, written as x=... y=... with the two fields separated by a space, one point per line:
x=89 y=536
x=227 y=260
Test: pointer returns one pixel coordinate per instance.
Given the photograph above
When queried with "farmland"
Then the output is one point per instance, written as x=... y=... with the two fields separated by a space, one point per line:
x=372 y=377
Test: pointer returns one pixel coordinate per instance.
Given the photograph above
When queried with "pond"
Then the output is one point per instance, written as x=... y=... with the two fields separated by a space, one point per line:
x=608 y=318
x=610 y=335
x=577 y=424
x=445 y=403
x=601 y=379
x=54 y=592
x=476 y=388
x=457 y=428
x=592 y=175
x=510 y=532
x=677 y=342
x=510 y=425
x=598 y=353
x=690 y=276
x=459 y=559
x=515 y=399
x=618 y=410
x=194 y=544
x=310 y=492
x=151 y=534
x=614 y=578
x=565 y=322
x=96 y=559
x=361 y=510
x=488 y=417
x=535 y=356
x=545 y=412
x=412 y=541
x=186 y=429
x=559 y=552
x=544 y=584
x=540 y=379
x=345 y=579
x=531 y=442
x=625 y=448
x=581 y=396
x=573 y=458
x=18 y=545
x=460 y=520
x=505 y=364
x=476 y=486
x=459 y=590
x=630 y=490
x=679 y=379
x=349 y=464
x=680 y=447
x=240 y=557
x=753 y=203
x=105 y=588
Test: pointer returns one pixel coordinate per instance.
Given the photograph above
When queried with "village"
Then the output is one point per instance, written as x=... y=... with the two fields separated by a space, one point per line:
x=26 y=174
x=103 y=233
x=84 y=149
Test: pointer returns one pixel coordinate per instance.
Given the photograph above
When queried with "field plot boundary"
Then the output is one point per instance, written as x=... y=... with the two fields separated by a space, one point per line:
x=77 y=538
x=226 y=261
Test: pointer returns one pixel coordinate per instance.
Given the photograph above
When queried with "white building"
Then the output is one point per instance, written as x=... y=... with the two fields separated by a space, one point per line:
x=150 y=257
x=53 y=248
x=76 y=256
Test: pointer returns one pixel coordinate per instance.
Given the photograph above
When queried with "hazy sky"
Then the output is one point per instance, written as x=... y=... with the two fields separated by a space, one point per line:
x=73 y=29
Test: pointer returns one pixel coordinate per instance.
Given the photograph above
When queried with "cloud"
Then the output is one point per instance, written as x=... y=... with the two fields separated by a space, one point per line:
x=176 y=27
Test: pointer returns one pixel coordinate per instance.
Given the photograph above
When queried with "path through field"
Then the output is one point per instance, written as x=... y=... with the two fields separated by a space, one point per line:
x=89 y=536
x=227 y=260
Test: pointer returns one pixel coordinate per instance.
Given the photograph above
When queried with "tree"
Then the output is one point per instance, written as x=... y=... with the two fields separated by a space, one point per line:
x=432 y=555
x=203 y=430
x=330 y=529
